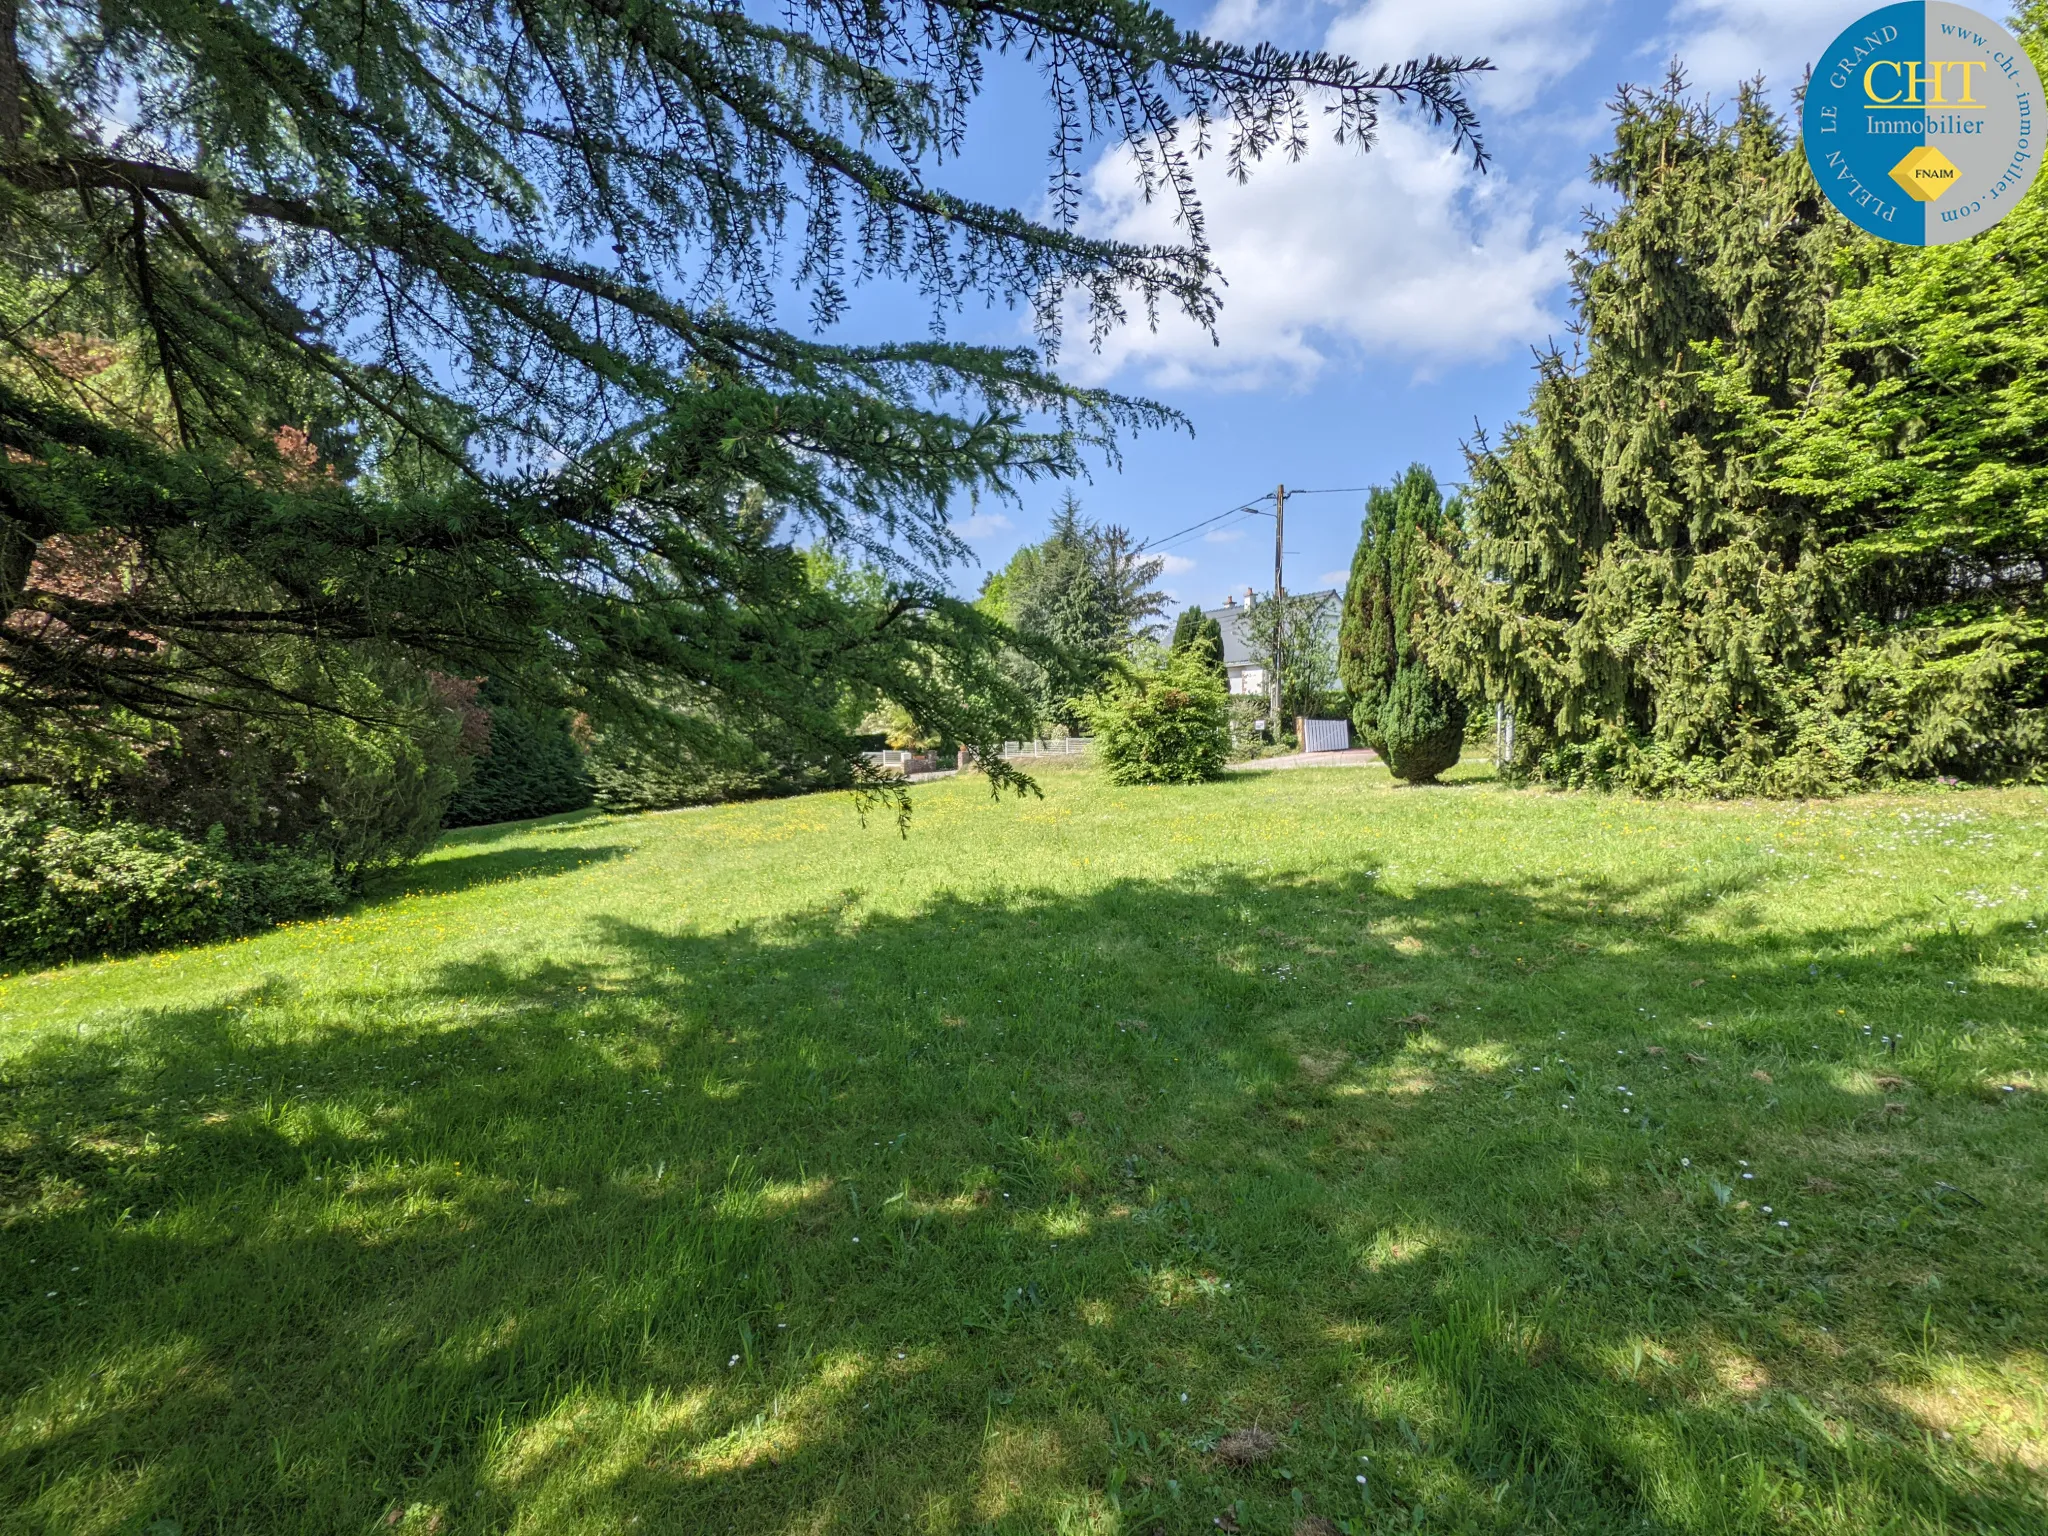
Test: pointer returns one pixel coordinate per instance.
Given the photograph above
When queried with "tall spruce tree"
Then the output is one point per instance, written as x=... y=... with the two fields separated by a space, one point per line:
x=1632 y=591
x=530 y=764
x=450 y=330
x=1400 y=706
x=1779 y=528
x=1919 y=454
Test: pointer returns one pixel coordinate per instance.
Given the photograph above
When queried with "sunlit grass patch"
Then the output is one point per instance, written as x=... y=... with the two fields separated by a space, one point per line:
x=1512 y=1161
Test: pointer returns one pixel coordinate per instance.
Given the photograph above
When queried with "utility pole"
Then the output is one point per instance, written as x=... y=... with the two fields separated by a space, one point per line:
x=1279 y=602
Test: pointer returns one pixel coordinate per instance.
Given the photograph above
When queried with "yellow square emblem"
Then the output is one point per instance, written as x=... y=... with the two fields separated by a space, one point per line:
x=1925 y=173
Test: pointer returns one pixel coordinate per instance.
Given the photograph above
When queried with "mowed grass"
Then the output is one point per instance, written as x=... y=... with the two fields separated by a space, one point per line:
x=1509 y=1161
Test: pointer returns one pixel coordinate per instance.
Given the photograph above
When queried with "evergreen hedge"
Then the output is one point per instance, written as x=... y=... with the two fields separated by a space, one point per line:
x=531 y=766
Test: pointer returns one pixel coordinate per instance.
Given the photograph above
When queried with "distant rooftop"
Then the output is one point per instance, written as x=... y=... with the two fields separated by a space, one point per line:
x=1237 y=651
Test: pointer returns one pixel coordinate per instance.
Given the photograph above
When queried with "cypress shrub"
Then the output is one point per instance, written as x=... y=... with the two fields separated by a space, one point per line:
x=1195 y=631
x=1422 y=726
x=1400 y=706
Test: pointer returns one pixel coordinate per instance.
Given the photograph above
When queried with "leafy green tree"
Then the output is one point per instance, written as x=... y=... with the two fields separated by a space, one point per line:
x=451 y=330
x=1400 y=705
x=364 y=784
x=1168 y=725
x=71 y=889
x=1305 y=648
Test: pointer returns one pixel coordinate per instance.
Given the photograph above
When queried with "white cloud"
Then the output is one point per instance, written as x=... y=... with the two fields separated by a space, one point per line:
x=1404 y=254
x=1335 y=579
x=1223 y=536
x=1531 y=42
x=983 y=525
x=1176 y=565
x=1725 y=42
x=1243 y=21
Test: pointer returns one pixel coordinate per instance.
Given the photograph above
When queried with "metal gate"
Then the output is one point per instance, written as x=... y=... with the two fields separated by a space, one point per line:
x=1326 y=735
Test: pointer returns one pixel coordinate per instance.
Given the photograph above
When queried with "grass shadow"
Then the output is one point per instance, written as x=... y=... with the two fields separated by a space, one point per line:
x=996 y=1216
x=451 y=872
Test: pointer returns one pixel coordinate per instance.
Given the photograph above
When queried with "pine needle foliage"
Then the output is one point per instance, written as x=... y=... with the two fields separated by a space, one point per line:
x=1400 y=706
x=512 y=273
x=1779 y=526
x=1631 y=591
x=531 y=765
x=1084 y=596
x=1921 y=454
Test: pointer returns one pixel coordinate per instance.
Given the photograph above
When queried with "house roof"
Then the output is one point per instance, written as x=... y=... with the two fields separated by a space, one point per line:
x=1237 y=651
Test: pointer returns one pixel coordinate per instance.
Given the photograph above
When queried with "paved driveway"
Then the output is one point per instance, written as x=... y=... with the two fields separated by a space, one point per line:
x=1356 y=757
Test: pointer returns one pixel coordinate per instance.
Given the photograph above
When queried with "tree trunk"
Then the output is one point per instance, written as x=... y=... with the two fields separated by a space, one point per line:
x=10 y=75
x=17 y=559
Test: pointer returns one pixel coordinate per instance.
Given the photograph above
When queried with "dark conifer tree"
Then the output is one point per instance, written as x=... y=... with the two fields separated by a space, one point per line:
x=1632 y=591
x=1400 y=706
x=1777 y=527
x=451 y=330
x=1195 y=631
x=530 y=764
x=1085 y=594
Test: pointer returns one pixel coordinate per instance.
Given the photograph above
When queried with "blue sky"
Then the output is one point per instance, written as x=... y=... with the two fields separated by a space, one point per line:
x=1378 y=305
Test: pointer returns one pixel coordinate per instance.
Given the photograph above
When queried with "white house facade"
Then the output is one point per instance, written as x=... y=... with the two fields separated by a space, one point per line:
x=1247 y=671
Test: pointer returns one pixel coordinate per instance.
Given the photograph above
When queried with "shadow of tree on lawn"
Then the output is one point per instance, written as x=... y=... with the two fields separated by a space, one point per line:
x=994 y=1218
x=454 y=872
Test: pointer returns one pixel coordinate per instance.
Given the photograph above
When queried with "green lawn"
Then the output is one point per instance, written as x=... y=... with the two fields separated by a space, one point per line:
x=1507 y=1161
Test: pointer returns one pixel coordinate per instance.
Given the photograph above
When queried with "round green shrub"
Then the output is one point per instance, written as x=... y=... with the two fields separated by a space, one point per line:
x=70 y=890
x=1421 y=726
x=1171 y=726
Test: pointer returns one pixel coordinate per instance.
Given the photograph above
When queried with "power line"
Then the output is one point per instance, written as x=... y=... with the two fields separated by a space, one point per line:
x=1160 y=543
x=1245 y=507
x=1216 y=528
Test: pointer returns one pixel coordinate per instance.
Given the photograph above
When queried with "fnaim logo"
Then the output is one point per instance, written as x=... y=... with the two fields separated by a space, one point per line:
x=1924 y=123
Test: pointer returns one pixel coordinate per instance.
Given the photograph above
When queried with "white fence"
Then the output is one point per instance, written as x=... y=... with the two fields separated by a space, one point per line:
x=1054 y=746
x=908 y=763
